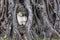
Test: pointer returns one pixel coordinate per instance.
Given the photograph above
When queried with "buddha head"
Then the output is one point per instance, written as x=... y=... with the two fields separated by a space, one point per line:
x=21 y=18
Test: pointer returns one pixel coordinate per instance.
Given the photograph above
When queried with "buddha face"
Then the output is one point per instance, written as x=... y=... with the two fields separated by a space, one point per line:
x=21 y=18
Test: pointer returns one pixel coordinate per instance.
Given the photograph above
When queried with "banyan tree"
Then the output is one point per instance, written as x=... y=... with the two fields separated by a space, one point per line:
x=29 y=19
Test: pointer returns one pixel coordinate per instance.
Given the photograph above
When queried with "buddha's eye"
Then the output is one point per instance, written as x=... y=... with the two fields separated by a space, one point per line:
x=19 y=14
x=22 y=14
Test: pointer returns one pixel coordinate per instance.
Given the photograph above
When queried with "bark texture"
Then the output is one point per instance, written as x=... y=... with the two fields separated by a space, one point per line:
x=43 y=19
